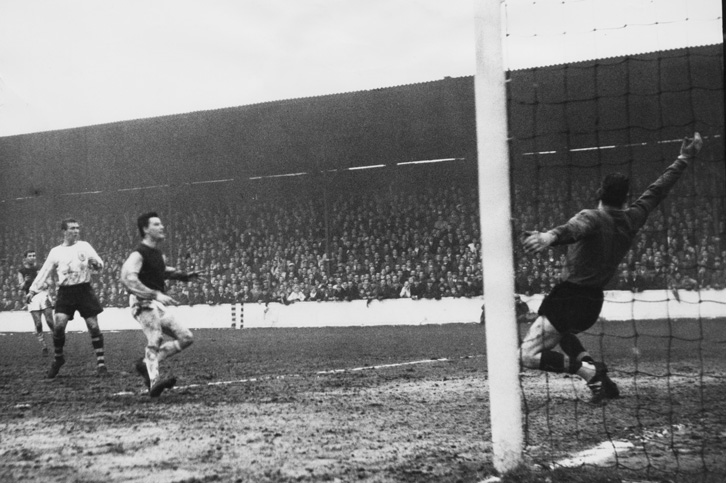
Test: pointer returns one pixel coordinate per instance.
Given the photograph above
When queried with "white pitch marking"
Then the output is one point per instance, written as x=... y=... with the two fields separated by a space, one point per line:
x=321 y=373
x=383 y=366
x=604 y=453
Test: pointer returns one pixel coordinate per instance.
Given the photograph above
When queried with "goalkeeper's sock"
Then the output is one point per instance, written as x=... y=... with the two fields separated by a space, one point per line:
x=552 y=361
x=574 y=349
x=572 y=346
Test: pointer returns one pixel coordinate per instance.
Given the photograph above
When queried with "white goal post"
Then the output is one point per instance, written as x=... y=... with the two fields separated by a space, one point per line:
x=496 y=237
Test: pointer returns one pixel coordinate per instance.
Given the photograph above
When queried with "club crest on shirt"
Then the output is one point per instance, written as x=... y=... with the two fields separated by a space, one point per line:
x=82 y=257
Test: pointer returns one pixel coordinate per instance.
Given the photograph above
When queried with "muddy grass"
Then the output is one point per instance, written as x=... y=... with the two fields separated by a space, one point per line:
x=277 y=419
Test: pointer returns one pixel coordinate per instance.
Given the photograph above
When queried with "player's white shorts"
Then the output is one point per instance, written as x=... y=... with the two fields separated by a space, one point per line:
x=40 y=301
x=156 y=318
x=150 y=308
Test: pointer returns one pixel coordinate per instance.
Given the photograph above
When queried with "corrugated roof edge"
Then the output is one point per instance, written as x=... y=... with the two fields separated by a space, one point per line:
x=278 y=101
x=614 y=57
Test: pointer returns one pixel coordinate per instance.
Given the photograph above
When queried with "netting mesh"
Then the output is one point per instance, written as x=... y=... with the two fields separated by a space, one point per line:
x=663 y=324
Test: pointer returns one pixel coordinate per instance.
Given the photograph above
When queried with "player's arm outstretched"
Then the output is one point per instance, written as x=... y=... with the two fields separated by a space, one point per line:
x=130 y=278
x=174 y=274
x=536 y=241
x=581 y=224
x=691 y=146
x=659 y=189
x=171 y=273
x=578 y=227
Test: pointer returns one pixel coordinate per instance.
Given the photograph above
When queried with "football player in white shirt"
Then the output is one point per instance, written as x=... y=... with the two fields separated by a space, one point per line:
x=73 y=261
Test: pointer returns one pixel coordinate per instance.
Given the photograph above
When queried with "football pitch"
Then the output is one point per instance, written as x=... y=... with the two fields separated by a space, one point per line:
x=357 y=404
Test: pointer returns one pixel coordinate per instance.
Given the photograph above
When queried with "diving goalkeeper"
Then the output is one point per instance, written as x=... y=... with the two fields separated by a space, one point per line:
x=597 y=240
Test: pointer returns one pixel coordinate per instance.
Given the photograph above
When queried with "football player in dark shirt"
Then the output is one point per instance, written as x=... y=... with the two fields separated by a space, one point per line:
x=40 y=304
x=144 y=273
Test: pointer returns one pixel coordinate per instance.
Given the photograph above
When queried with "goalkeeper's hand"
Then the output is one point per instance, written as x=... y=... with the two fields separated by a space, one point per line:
x=536 y=241
x=691 y=146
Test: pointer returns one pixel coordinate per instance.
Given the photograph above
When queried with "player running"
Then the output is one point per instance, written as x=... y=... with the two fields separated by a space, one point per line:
x=598 y=240
x=144 y=273
x=72 y=261
x=40 y=304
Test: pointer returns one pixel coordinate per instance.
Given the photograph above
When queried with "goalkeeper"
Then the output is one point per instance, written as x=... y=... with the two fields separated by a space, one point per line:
x=598 y=240
x=144 y=273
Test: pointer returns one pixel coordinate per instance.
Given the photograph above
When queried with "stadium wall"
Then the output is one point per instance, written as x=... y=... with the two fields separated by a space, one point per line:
x=658 y=94
x=619 y=305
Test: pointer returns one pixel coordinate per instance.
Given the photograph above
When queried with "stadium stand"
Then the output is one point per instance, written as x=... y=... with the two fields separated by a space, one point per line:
x=280 y=203
x=374 y=243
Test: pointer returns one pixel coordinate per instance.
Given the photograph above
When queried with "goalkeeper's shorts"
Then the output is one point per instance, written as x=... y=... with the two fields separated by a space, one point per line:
x=572 y=308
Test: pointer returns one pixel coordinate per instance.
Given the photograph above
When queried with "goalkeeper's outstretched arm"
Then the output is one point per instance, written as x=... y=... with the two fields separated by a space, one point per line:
x=579 y=226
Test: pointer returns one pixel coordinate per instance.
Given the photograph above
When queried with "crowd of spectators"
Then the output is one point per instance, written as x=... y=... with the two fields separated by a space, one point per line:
x=417 y=243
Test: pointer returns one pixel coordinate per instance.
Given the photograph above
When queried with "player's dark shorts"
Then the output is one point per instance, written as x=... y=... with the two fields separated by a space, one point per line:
x=572 y=308
x=79 y=297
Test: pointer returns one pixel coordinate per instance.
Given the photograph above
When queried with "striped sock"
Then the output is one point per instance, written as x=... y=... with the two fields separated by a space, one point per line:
x=58 y=343
x=97 y=343
x=41 y=339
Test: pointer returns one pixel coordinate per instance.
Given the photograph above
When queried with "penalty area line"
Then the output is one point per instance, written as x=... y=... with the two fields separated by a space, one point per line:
x=291 y=376
x=601 y=455
x=383 y=366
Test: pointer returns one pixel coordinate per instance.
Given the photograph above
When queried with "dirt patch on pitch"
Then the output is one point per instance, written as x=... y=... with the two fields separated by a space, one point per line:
x=422 y=422
x=390 y=433
x=344 y=427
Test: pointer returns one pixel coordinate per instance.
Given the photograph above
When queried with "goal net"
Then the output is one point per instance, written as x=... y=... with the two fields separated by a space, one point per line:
x=599 y=87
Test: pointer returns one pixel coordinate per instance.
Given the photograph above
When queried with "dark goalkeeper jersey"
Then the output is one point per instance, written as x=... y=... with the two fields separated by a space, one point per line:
x=599 y=239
